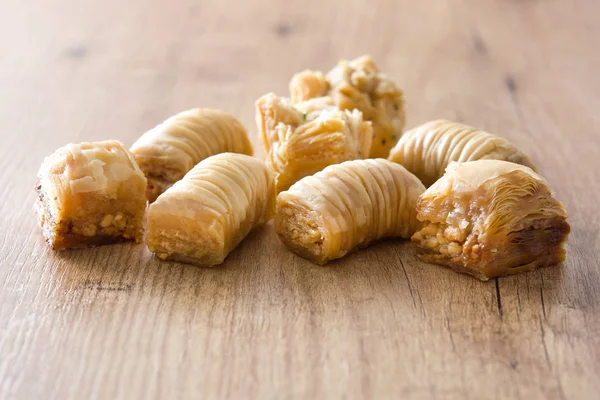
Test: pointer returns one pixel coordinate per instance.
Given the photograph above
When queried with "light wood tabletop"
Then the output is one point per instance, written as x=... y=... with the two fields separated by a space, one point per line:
x=116 y=323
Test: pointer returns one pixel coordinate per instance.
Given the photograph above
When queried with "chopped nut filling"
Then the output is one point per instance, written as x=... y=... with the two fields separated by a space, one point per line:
x=491 y=218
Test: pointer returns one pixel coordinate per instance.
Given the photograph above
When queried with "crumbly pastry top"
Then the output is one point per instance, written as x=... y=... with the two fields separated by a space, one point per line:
x=304 y=138
x=486 y=191
x=468 y=176
x=358 y=84
x=277 y=117
x=88 y=167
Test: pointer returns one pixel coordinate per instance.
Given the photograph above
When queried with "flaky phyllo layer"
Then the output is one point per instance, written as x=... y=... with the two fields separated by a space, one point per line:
x=204 y=216
x=169 y=150
x=491 y=218
x=428 y=149
x=345 y=206
x=302 y=139
x=358 y=84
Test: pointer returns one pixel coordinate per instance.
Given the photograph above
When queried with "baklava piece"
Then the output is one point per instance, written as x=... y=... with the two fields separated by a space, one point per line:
x=346 y=206
x=90 y=194
x=168 y=151
x=358 y=84
x=427 y=149
x=204 y=216
x=491 y=218
x=302 y=139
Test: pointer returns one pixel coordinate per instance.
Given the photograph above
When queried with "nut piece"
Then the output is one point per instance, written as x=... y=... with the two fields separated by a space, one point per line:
x=81 y=186
x=491 y=218
x=168 y=151
x=204 y=216
x=358 y=84
x=427 y=150
x=345 y=206
x=303 y=139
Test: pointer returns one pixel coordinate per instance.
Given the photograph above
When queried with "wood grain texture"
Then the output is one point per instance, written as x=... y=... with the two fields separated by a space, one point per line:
x=115 y=323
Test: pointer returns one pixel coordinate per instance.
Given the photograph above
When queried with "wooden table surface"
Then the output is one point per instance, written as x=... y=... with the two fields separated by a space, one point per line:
x=115 y=323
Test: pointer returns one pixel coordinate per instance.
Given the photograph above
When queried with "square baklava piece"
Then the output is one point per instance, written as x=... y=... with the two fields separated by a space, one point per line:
x=90 y=194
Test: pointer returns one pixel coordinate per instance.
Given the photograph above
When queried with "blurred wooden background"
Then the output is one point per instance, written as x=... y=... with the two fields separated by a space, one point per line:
x=115 y=323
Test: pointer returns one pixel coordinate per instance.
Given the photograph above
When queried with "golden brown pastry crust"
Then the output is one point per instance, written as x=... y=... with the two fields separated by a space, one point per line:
x=491 y=218
x=302 y=139
x=204 y=216
x=345 y=206
x=358 y=84
x=90 y=194
x=427 y=149
x=168 y=151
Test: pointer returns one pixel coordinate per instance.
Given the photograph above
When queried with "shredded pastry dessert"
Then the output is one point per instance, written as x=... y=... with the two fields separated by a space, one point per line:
x=168 y=151
x=358 y=84
x=304 y=138
x=90 y=194
x=204 y=216
x=427 y=149
x=345 y=206
x=491 y=218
